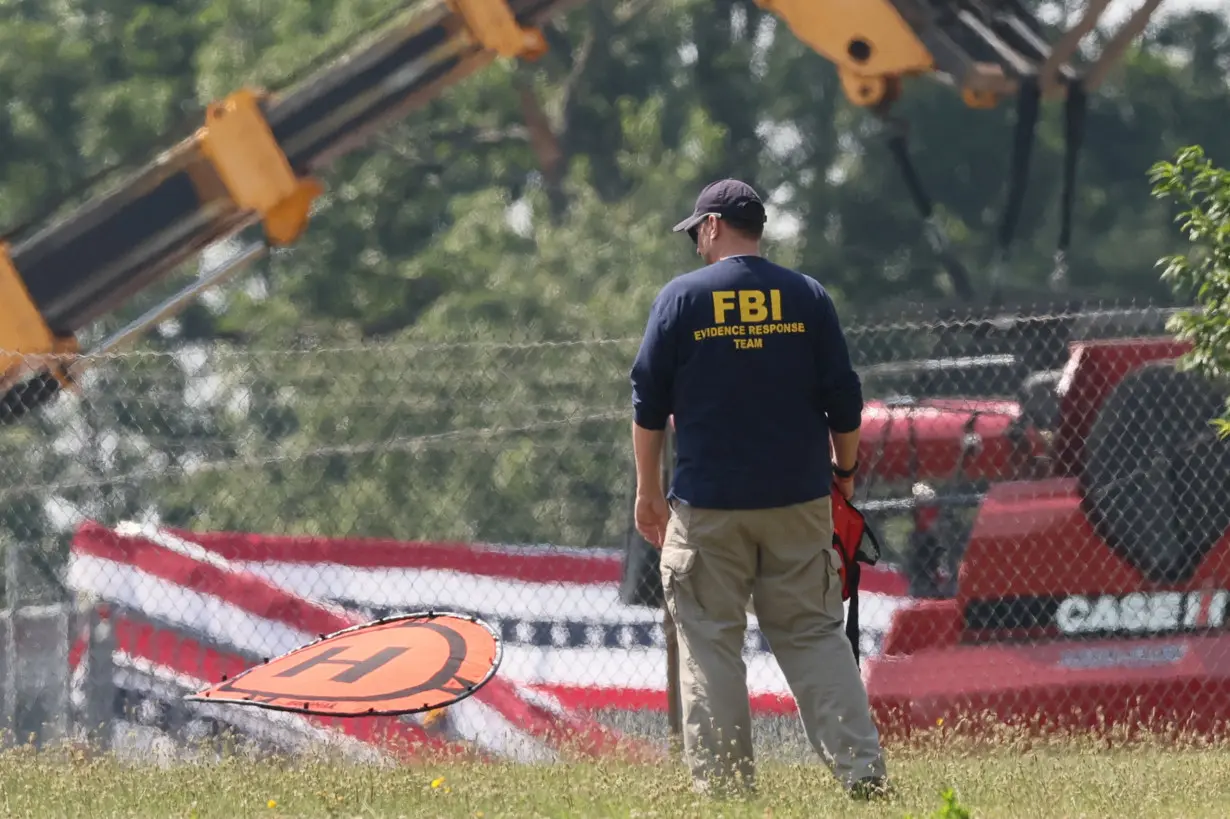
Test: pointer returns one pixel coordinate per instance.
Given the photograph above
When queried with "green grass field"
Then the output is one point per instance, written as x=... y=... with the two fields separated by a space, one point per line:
x=1007 y=778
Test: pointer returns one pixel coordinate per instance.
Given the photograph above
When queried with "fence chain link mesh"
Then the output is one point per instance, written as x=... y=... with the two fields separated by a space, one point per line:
x=1047 y=488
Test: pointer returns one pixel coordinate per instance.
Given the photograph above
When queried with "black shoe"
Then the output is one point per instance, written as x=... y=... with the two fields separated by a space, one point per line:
x=870 y=787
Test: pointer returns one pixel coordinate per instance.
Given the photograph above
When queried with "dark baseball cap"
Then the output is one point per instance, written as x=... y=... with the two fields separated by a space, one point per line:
x=730 y=199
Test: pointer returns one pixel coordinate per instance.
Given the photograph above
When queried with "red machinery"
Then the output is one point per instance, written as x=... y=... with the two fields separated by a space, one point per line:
x=1069 y=560
x=948 y=442
x=1097 y=593
x=922 y=439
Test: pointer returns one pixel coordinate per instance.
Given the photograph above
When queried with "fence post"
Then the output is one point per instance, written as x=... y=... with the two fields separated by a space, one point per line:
x=36 y=673
x=98 y=710
x=8 y=646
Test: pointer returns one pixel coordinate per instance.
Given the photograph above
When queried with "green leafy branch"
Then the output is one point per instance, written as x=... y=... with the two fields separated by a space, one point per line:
x=951 y=809
x=1202 y=192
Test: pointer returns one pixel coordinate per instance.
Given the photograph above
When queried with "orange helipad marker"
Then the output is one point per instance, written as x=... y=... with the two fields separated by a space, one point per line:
x=397 y=665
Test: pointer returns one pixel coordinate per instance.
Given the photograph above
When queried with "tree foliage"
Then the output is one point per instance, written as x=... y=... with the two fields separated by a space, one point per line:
x=481 y=270
x=1202 y=192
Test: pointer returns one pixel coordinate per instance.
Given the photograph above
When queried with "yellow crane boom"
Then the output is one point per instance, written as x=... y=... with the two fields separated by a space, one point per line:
x=253 y=158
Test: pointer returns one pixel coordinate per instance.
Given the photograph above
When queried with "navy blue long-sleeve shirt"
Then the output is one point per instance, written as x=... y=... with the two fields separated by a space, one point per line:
x=751 y=360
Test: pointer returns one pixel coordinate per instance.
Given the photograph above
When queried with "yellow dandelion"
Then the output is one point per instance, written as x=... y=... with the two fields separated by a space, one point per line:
x=437 y=782
x=272 y=803
x=939 y=721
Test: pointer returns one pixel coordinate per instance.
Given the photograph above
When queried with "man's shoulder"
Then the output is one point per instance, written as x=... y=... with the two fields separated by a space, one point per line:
x=800 y=280
x=798 y=275
x=673 y=296
x=727 y=271
x=699 y=277
x=684 y=287
x=671 y=292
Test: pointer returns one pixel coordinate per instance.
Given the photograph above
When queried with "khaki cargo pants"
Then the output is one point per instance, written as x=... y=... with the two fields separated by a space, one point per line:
x=712 y=561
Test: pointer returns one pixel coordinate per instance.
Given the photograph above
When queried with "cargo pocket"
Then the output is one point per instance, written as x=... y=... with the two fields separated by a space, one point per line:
x=678 y=557
x=832 y=589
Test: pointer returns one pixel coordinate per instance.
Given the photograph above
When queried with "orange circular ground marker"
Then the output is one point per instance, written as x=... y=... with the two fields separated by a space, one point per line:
x=396 y=665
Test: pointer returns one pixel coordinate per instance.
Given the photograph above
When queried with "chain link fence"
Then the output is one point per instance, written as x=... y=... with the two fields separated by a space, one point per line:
x=1048 y=491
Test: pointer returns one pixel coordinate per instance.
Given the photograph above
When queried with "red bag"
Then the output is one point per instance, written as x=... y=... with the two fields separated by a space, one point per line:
x=850 y=533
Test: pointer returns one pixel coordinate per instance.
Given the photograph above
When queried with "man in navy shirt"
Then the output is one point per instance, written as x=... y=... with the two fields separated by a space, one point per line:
x=750 y=360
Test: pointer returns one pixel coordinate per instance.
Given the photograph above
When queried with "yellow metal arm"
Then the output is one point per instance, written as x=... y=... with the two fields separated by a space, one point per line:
x=250 y=163
x=868 y=41
x=496 y=29
x=238 y=141
x=252 y=160
x=986 y=48
x=27 y=345
x=236 y=167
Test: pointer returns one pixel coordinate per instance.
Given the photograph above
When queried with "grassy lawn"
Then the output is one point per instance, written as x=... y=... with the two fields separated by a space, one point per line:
x=1009 y=779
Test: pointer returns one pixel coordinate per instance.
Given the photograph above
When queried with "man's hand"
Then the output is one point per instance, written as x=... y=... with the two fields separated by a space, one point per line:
x=652 y=515
x=845 y=486
x=652 y=512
